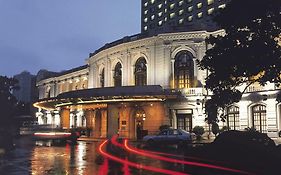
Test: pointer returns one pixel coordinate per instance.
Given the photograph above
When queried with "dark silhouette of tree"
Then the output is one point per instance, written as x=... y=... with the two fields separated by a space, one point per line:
x=248 y=52
x=8 y=103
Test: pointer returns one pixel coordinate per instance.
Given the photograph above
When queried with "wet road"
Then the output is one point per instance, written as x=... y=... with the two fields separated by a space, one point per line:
x=101 y=158
x=40 y=158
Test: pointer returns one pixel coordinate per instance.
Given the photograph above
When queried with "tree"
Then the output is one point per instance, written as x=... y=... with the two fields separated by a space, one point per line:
x=199 y=131
x=247 y=53
x=7 y=100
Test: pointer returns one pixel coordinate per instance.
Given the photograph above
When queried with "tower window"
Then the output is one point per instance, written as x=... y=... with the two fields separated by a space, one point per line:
x=199 y=15
x=221 y=6
x=210 y=2
x=211 y=11
x=172 y=6
x=181 y=12
x=180 y=3
x=180 y=21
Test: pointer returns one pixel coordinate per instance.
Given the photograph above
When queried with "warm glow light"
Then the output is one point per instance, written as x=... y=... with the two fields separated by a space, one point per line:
x=135 y=165
x=52 y=134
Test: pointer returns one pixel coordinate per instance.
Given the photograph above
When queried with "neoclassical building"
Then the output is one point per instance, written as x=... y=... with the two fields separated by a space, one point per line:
x=136 y=84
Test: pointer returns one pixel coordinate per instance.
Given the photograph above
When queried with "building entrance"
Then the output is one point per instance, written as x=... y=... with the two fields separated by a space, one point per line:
x=139 y=120
x=184 y=121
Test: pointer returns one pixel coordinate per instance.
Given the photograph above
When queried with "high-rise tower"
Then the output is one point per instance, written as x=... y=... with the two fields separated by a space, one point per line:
x=164 y=16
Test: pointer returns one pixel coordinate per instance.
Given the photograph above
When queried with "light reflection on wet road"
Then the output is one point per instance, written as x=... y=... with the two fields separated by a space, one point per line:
x=84 y=159
x=43 y=159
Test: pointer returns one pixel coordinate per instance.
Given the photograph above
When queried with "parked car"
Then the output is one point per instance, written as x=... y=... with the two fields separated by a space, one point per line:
x=169 y=136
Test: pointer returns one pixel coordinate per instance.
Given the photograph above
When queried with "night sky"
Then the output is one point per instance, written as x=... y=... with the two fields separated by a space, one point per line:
x=59 y=34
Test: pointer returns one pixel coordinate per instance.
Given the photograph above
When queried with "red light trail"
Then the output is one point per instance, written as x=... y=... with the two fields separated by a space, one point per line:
x=156 y=155
x=143 y=153
x=136 y=165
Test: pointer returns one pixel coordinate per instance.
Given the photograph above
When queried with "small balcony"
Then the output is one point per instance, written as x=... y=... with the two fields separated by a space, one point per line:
x=193 y=91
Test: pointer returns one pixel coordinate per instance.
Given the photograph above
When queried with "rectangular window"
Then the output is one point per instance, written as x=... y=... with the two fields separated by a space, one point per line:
x=210 y=2
x=199 y=15
x=180 y=21
x=181 y=12
x=199 y=5
x=184 y=121
x=190 y=18
x=180 y=3
x=221 y=6
x=172 y=15
x=172 y=6
x=190 y=9
x=211 y=11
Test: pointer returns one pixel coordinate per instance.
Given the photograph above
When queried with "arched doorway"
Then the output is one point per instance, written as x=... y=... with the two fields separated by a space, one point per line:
x=259 y=118
x=139 y=123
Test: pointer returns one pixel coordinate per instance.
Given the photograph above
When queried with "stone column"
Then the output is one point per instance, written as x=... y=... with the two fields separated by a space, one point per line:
x=173 y=72
x=103 y=123
x=271 y=117
x=65 y=118
x=174 y=124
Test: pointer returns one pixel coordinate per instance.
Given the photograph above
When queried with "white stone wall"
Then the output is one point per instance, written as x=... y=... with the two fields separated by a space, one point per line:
x=159 y=52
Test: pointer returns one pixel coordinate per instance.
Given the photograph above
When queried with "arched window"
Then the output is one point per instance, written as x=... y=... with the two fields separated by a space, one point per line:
x=140 y=72
x=118 y=75
x=48 y=92
x=102 y=78
x=259 y=117
x=184 y=70
x=233 y=118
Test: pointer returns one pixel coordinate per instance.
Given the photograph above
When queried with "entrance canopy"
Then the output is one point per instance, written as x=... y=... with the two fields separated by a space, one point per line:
x=108 y=95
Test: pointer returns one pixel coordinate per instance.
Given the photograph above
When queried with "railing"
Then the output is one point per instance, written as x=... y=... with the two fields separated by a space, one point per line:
x=193 y=91
x=254 y=88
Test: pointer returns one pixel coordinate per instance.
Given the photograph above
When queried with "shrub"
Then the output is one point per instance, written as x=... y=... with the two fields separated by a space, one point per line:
x=199 y=131
x=215 y=128
x=224 y=128
x=162 y=127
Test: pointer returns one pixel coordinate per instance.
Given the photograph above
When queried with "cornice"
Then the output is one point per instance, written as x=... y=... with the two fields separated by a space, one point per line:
x=190 y=38
x=75 y=74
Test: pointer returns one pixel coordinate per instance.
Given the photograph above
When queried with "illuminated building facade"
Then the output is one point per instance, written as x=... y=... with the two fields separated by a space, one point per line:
x=168 y=16
x=134 y=85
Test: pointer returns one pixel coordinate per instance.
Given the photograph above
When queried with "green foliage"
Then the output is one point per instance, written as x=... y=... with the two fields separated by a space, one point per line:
x=224 y=128
x=215 y=128
x=8 y=102
x=250 y=129
x=199 y=131
x=248 y=52
x=162 y=127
